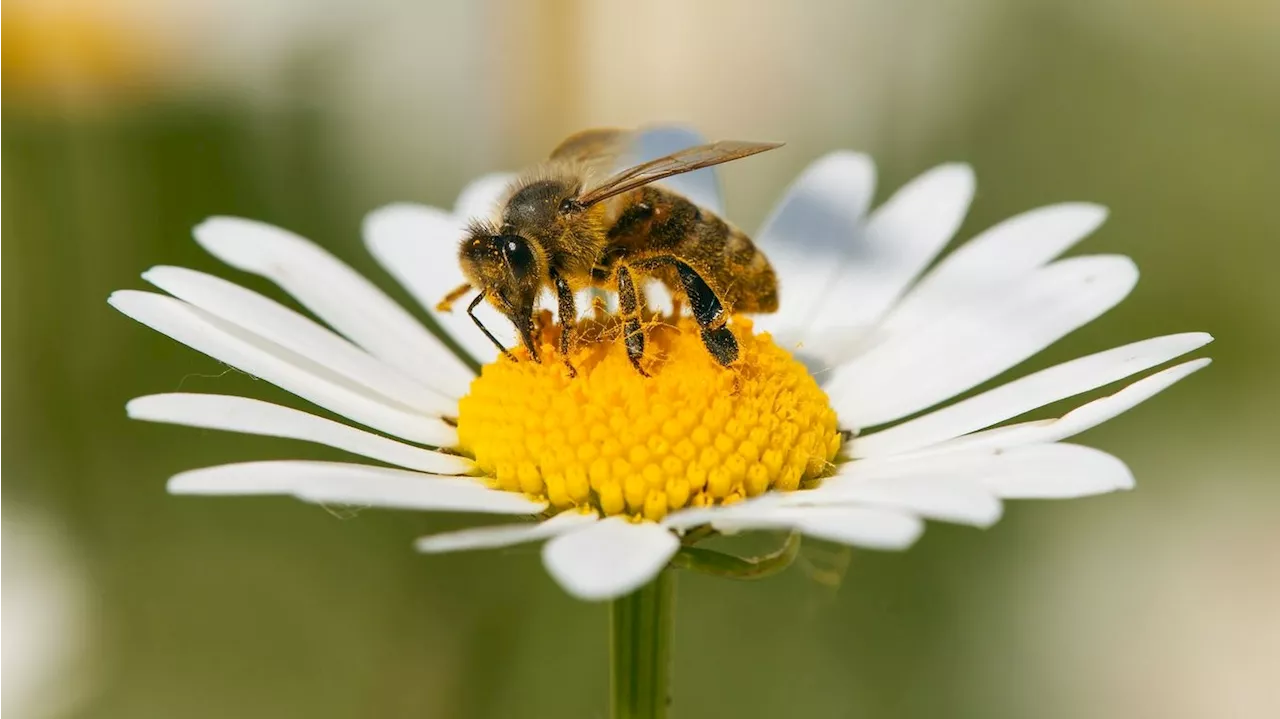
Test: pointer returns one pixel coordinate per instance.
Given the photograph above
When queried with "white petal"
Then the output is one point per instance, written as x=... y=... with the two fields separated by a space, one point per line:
x=1033 y=470
x=870 y=527
x=285 y=369
x=418 y=245
x=867 y=527
x=1003 y=253
x=898 y=241
x=977 y=341
x=339 y=295
x=416 y=493
x=700 y=186
x=944 y=498
x=504 y=535
x=241 y=414
x=1025 y=394
x=1086 y=416
x=609 y=559
x=273 y=321
x=690 y=517
x=657 y=297
x=1058 y=471
x=479 y=200
x=356 y=484
x=286 y=476
x=812 y=234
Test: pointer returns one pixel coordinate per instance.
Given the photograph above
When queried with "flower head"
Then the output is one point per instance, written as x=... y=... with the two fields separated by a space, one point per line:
x=612 y=441
x=618 y=467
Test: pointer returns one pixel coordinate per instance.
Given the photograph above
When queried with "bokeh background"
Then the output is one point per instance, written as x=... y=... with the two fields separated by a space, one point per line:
x=127 y=122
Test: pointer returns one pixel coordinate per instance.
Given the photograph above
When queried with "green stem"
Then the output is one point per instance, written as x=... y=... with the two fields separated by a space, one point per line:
x=640 y=650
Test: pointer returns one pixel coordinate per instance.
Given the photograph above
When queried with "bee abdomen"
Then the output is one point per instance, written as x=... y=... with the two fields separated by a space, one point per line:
x=746 y=278
x=655 y=223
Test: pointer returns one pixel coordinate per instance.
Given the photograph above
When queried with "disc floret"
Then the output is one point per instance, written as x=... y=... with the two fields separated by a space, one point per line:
x=609 y=439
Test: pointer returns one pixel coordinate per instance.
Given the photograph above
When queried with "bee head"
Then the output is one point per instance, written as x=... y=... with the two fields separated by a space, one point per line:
x=508 y=269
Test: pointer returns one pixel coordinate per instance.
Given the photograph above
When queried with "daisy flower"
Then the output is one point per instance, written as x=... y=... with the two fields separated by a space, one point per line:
x=834 y=423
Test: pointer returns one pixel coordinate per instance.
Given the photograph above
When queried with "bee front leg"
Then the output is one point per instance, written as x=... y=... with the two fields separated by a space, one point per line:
x=471 y=312
x=446 y=304
x=568 y=311
x=629 y=308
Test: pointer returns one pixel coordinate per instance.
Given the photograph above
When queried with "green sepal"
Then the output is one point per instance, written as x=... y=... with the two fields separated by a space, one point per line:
x=709 y=561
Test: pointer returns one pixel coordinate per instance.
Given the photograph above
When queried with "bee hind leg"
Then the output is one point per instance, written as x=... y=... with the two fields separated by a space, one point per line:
x=710 y=315
x=629 y=307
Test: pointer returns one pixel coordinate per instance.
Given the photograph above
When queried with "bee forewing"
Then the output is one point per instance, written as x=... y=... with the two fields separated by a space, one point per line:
x=687 y=160
x=701 y=187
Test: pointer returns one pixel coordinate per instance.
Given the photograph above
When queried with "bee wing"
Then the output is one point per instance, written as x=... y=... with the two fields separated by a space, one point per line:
x=595 y=145
x=694 y=158
x=701 y=187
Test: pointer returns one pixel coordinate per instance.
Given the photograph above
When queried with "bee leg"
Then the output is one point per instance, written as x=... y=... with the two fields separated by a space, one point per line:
x=446 y=304
x=471 y=312
x=629 y=307
x=710 y=315
x=568 y=311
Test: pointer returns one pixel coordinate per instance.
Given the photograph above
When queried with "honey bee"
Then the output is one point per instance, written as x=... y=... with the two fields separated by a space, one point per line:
x=557 y=229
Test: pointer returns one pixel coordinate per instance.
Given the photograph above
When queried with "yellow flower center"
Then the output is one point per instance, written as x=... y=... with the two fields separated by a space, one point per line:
x=692 y=433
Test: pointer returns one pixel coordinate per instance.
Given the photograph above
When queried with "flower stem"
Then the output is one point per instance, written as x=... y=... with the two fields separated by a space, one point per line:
x=640 y=650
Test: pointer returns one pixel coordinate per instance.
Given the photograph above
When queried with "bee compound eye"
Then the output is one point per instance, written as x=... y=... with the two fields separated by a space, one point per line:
x=518 y=255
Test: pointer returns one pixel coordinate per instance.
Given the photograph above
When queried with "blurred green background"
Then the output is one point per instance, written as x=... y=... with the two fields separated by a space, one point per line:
x=127 y=122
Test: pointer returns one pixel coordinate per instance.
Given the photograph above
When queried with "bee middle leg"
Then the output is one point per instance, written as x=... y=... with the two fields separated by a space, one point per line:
x=629 y=307
x=568 y=312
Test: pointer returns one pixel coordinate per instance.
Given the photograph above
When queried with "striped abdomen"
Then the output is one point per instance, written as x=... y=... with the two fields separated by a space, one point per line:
x=654 y=230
